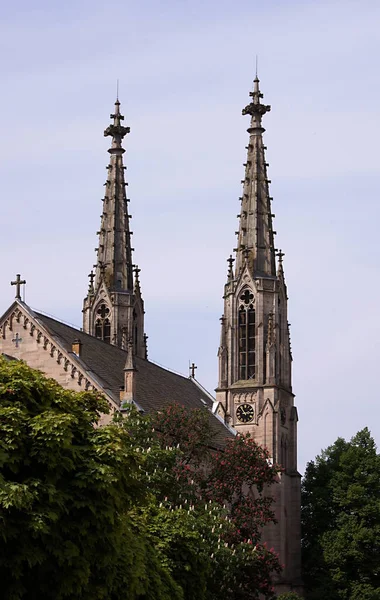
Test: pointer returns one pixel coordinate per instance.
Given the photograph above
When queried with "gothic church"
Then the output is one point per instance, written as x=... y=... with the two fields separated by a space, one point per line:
x=109 y=353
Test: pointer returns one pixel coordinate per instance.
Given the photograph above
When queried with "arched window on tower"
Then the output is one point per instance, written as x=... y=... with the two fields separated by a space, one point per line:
x=103 y=324
x=247 y=336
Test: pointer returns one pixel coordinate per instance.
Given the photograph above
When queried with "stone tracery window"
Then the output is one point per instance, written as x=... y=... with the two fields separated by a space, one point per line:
x=103 y=323
x=247 y=336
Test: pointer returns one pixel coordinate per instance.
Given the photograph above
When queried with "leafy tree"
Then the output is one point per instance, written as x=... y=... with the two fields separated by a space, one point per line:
x=201 y=518
x=140 y=509
x=341 y=521
x=66 y=491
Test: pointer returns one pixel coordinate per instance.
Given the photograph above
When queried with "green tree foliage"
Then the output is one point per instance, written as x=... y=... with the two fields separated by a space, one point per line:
x=66 y=488
x=341 y=521
x=289 y=596
x=140 y=509
x=205 y=525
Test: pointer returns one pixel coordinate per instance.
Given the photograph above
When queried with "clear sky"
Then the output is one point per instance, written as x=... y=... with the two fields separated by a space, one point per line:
x=185 y=70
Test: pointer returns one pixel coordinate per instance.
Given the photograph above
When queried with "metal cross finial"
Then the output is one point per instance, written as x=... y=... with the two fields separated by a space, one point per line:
x=18 y=283
x=17 y=339
x=280 y=255
x=192 y=369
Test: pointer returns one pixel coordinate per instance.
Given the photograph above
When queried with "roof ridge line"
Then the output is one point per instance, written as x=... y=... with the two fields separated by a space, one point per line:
x=154 y=362
x=46 y=314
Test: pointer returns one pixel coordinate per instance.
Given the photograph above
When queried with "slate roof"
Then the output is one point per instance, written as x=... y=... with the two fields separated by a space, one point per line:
x=155 y=387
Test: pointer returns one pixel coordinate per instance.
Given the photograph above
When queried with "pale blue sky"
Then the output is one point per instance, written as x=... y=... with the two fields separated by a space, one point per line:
x=185 y=70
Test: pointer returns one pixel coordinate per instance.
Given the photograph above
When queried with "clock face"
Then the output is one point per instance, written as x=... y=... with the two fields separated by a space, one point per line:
x=245 y=413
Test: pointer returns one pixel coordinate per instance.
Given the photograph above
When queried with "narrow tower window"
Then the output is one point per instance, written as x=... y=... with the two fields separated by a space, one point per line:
x=247 y=337
x=103 y=324
x=107 y=331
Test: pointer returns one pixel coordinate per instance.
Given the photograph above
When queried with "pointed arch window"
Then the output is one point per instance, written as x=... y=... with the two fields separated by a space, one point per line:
x=247 y=336
x=103 y=324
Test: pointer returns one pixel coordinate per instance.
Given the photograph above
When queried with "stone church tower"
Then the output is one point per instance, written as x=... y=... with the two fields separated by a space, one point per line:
x=255 y=388
x=113 y=309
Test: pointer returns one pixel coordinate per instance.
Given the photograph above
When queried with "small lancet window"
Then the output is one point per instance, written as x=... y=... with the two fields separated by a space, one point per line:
x=247 y=336
x=98 y=329
x=107 y=331
x=103 y=324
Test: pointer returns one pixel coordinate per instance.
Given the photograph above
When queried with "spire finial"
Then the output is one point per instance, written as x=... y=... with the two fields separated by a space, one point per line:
x=280 y=270
x=136 y=271
x=91 y=277
x=117 y=90
x=280 y=255
x=255 y=108
x=230 y=274
x=116 y=130
x=256 y=81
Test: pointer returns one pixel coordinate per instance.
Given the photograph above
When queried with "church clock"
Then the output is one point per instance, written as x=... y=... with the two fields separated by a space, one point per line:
x=245 y=413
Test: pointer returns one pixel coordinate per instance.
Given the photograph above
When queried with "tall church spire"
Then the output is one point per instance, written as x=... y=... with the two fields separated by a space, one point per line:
x=112 y=310
x=114 y=262
x=255 y=384
x=255 y=237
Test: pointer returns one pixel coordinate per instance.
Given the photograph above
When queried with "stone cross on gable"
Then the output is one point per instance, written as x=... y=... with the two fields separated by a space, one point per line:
x=18 y=283
x=193 y=367
x=16 y=340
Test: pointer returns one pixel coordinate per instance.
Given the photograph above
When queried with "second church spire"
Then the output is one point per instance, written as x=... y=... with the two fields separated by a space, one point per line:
x=113 y=309
x=255 y=236
x=114 y=264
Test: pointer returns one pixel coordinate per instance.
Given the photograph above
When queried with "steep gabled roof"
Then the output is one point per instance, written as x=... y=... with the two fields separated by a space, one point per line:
x=156 y=386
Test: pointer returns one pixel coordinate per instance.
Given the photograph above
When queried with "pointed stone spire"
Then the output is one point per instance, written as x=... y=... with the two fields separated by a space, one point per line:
x=114 y=263
x=255 y=237
x=128 y=394
x=255 y=360
x=114 y=309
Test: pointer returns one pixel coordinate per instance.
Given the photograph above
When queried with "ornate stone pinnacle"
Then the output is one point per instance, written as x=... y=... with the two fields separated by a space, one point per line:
x=230 y=261
x=91 y=277
x=255 y=108
x=116 y=131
